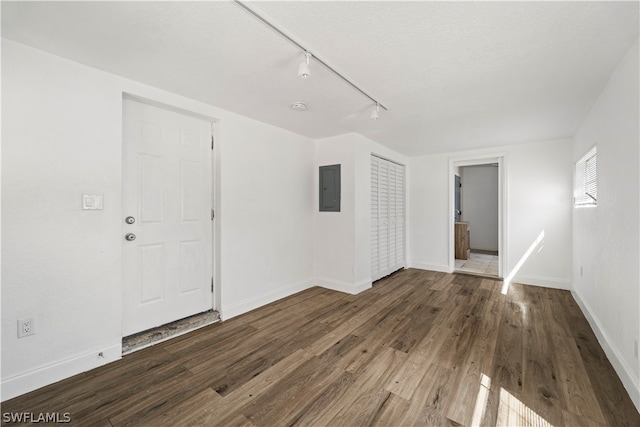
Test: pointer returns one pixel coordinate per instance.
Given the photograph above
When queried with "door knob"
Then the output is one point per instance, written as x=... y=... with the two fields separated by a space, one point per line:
x=130 y=237
x=129 y=220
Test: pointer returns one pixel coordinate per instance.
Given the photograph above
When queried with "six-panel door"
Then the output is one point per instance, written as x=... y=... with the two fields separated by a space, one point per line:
x=167 y=269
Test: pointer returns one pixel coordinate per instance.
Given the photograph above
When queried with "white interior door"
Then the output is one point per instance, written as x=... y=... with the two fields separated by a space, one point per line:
x=167 y=269
x=387 y=217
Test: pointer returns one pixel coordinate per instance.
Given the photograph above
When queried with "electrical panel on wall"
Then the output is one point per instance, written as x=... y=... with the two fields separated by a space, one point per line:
x=330 y=188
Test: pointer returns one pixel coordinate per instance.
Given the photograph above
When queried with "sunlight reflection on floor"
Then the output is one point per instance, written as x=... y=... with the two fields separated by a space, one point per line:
x=511 y=411
x=514 y=413
x=481 y=400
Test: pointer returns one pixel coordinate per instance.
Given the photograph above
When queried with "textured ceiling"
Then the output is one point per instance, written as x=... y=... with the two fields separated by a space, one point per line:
x=454 y=75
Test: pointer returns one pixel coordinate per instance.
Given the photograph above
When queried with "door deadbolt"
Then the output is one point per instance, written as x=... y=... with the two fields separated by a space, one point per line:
x=129 y=220
x=130 y=237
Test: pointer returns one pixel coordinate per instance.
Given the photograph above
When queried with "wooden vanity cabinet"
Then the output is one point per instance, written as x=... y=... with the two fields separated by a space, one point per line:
x=462 y=240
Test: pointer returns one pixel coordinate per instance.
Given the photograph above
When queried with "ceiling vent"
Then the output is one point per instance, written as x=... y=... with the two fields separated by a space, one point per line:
x=298 y=106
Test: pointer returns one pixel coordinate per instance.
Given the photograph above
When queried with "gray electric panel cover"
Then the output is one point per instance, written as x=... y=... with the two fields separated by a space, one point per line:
x=330 y=188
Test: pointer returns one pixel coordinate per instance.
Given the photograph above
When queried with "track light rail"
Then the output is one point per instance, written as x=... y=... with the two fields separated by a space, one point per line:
x=304 y=49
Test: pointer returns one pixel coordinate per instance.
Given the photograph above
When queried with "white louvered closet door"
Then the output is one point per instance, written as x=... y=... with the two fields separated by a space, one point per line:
x=375 y=253
x=387 y=217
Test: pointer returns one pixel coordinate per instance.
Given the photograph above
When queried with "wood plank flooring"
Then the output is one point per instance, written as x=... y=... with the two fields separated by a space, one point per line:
x=419 y=348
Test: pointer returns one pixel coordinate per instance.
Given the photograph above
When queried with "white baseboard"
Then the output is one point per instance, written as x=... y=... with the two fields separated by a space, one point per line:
x=233 y=310
x=629 y=380
x=244 y=306
x=444 y=268
x=54 y=372
x=349 y=288
x=545 y=282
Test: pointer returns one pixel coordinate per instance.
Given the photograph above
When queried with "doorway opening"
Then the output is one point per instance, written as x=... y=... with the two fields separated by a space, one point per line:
x=477 y=216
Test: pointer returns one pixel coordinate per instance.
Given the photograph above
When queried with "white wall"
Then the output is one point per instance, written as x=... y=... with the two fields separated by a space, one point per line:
x=538 y=200
x=606 y=238
x=335 y=231
x=62 y=137
x=479 y=205
x=267 y=214
x=343 y=245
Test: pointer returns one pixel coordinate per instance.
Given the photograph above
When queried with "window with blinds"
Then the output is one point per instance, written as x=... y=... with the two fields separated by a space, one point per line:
x=586 y=184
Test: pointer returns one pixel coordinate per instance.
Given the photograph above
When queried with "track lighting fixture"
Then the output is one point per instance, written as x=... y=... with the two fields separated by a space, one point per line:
x=303 y=70
x=375 y=114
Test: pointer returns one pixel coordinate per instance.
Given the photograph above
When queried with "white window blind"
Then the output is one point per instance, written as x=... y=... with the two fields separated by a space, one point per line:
x=586 y=185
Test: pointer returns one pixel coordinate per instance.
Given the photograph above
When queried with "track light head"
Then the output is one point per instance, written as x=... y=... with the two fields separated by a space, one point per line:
x=375 y=114
x=303 y=70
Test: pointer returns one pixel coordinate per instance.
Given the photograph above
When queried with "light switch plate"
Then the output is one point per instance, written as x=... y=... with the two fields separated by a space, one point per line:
x=92 y=201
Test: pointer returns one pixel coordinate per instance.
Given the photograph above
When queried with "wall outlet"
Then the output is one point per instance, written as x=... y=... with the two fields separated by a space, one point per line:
x=26 y=327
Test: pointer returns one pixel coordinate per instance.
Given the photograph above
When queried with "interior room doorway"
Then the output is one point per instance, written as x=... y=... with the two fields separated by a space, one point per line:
x=477 y=216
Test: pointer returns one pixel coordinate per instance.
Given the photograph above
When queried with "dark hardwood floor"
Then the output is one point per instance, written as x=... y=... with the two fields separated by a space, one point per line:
x=420 y=348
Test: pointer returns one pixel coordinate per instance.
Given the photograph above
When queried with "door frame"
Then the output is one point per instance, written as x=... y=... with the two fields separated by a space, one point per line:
x=215 y=185
x=481 y=159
